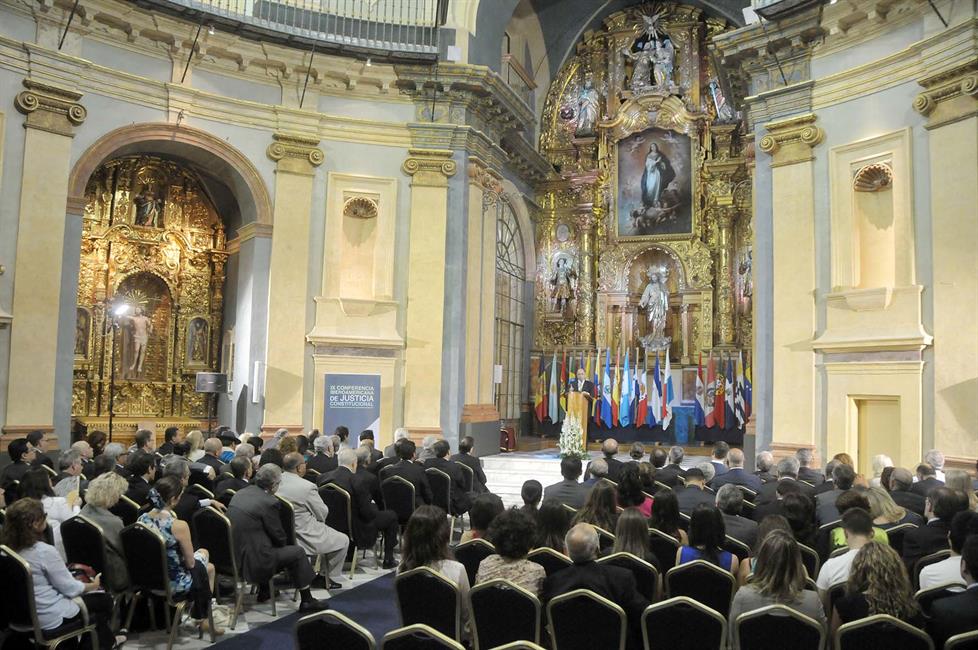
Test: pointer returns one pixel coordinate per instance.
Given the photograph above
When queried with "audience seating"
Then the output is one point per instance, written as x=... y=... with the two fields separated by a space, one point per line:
x=681 y=623
x=664 y=547
x=836 y=592
x=83 y=542
x=881 y=631
x=19 y=613
x=441 y=493
x=927 y=560
x=659 y=486
x=340 y=517
x=646 y=575
x=572 y=510
x=551 y=560
x=703 y=581
x=737 y=547
x=823 y=539
x=200 y=491
x=331 y=630
x=399 y=497
x=684 y=521
x=842 y=550
x=520 y=645
x=149 y=576
x=583 y=620
x=768 y=628
x=214 y=531
x=418 y=637
x=750 y=496
x=471 y=553
x=311 y=474
x=126 y=509
x=427 y=597
x=468 y=476
x=606 y=539
x=503 y=612
x=926 y=597
x=809 y=557
x=895 y=536
x=225 y=496
x=966 y=641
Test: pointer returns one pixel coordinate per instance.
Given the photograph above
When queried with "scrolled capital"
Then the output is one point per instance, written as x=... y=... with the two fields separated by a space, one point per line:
x=295 y=150
x=432 y=167
x=948 y=95
x=50 y=108
x=791 y=140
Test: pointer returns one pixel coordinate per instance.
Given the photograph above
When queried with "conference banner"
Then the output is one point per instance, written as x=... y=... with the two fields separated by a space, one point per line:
x=352 y=401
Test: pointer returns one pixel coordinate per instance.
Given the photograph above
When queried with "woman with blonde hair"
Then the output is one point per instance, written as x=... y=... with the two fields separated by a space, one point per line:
x=196 y=441
x=778 y=579
x=102 y=494
x=959 y=481
x=878 y=584
x=886 y=513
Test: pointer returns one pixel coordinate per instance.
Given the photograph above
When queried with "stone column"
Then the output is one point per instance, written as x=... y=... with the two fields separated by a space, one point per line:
x=429 y=170
x=51 y=115
x=297 y=157
x=950 y=103
x=790 y=142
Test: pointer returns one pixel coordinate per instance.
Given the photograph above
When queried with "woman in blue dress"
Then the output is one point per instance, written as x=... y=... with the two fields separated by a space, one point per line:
x=706 y=535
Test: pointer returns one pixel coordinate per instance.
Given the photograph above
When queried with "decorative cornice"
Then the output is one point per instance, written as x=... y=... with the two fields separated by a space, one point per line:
x=791 y=140
x=247 y=232
x=293 y=146
x=50 y=108
x=429 y=167
x=483 y=176
x=949 y=95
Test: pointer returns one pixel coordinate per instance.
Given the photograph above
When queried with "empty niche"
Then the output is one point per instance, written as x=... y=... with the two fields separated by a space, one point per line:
x=359 y=237
x=874 y=232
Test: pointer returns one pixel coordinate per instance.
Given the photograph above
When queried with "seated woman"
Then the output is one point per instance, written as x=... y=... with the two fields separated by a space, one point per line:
x=37 y=485
x=778 y=579
x=706 y=535
x=512 y=533
x=646 y=473
x=553 y=522
x=54 y=586
x=531 y=493
x=960 y=481
x=630 y=494
x=632 y=536
x=102 y=494
x=768 y=525
x=485 y=508
x=191 y=575
x=665 y=515
x=847 y=501
x=600 y=509
x=878 y=584
x=886 y=513
x=799 y=510
x=196 y=441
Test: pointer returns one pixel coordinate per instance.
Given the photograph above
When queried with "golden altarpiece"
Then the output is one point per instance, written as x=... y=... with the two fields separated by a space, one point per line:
x=150 y=295
x=654 y=187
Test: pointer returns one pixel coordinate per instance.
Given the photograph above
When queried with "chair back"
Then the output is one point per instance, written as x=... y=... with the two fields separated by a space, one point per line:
x=927 y=560
x=503 y=612
x=895 y=536
x=551 y=560
x=681 y=623
x=145 y=551
x=769 y=627
x=684 y=521
x=399 y=497
x=200 y=491
x=606 y=539
x=468 y=476
x=881 y=631
x=17 y=608
x=570 y=509
x=736 y=547
x=286 y=514
x=418 y=637
x=926 y=597
x=441 y=488
x=331 y=630
x=749 y=495
x=823 y=539
x=311 y=474
x=471 y=553
x=704 y=582
x=427 y=597
x=213 y=531
x=83 y=542
x=340 y=506
x=966 y=641
x=646 y=575
x=126 y=509
x=583 y=620
x=225 y=496
x=809 y=557
x=665 y=547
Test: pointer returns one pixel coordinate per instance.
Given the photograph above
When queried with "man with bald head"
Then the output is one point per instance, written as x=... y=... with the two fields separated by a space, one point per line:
x=736 y=475
x=311 y=531
x=614 y=583
x=85 y=451
x=212 y=455
x=610 y=449
x=901 y=489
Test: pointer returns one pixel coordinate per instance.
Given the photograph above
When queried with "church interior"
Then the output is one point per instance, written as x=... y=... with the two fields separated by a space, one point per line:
x=532 y=232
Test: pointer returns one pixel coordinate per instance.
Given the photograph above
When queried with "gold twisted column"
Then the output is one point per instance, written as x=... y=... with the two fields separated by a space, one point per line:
x=585 y=281
x=725 y=285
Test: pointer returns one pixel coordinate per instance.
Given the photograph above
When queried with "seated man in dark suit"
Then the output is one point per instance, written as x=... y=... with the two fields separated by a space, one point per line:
x=829 y=482
x=614 y=583
x=774 y=505
x=409 y=470
x=763 y=463
x=212 y=455
x=610 y=449
x=901 y=482
x=368 y=519
x=241 y=470
x=694 y=493
x=805 y=458
x=959 y=613
x=926 y=480
x=171 y=437
x=942 y=504
x=189 y=502
x=465 y=457
x=843 y=477
x=730 y=502
x=597 y=470
x=568 y=491
x=367 y=440
x=787 y=471
x=142 y=470
x=719 y=458
x=324 y=460
x=670 y=472
x=260 y=541
x=460 y=498
x=736 y=474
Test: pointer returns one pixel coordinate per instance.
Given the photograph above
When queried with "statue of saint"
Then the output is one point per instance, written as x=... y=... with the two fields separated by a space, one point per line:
x=587 y=111
x=198 y=340
x=140 y=328
x=662 y=63
x=655 y=299
x=641 y=79
x=745 y=271
x=561 y=284
x=148 y=208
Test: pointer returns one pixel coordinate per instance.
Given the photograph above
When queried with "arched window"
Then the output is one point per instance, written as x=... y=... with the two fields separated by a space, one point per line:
x=510 y=310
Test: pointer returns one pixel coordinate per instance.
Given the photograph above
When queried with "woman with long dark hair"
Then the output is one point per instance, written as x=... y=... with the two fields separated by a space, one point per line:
x=36 y=484
x=632 y=536
x=553 y=522
x=665 y=515
x=600 y=509
x=531 y=493
x=630 y=490
x=706 y=535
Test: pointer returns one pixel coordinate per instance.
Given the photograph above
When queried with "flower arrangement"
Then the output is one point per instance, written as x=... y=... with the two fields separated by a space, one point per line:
x=571 y=443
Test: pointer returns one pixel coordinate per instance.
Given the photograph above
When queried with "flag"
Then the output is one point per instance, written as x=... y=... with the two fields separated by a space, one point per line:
x=606 y=390
x=553 y=409
x=625 y=410
x=596 y=392
x=699 y=408
x=563 y=384
x=710 y=396
x=540 y=399
x=739 y=396
x=667 y=395
x=642 y=410
x=748 y=391
x=719 y=402
x=655 y=395
x=616 y=392
x=728 y=394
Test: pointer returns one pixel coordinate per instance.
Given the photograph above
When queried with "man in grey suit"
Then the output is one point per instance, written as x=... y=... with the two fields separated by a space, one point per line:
x=260 y=542
x=825 y=510
x=730 y=501
x=568 y=491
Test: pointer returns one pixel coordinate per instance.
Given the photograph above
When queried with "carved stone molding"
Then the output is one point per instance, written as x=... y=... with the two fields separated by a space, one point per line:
x=949 y=96
x=50 y=108
x=295 y=153
x=791 y=140
x=482 y=175
x=429 y=167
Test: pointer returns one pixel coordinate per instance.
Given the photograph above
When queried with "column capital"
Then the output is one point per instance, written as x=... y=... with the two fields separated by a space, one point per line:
x=295 y=153
x=949 y=95
x=480 y=174
x=791 y=140
x=50 y=108
x=430 y=167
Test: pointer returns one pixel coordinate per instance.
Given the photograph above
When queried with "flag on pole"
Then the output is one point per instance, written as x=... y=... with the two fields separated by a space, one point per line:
x=554 y=403
x=710 y=395
x=699 y=408
x=667 y=395
x=616 y=392
x=540 y=398
x=655 y=395
x=563 y=384
x=719 y=403
x=606 y=390
x=625 y=410
x=642 y=410
x=729 y=418
x=748 y=391
x=596 y=387
x=739 y=396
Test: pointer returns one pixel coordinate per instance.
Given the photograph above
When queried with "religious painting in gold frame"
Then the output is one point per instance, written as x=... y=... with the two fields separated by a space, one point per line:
x=654 y=179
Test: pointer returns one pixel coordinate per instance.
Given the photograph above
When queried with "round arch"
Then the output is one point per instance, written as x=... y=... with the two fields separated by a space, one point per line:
x=518 y=204
x=212 y=153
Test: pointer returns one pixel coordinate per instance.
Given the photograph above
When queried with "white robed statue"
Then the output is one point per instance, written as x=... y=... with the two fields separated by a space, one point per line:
x=655 y=299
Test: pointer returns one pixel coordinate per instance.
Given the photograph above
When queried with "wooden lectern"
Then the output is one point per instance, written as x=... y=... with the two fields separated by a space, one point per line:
x=579 y=405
